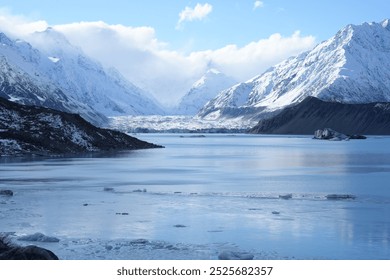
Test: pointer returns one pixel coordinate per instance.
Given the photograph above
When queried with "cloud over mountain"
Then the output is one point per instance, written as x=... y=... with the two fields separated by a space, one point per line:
x=150 y=63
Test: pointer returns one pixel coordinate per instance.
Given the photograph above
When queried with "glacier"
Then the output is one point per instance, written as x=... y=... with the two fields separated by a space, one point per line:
x=178 y=124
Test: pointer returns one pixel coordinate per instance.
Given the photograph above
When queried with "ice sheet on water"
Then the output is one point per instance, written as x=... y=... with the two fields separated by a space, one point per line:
x=229 y=209
x=251 y=195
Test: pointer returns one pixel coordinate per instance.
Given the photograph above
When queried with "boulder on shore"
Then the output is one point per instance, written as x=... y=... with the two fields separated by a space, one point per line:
x=9 y=251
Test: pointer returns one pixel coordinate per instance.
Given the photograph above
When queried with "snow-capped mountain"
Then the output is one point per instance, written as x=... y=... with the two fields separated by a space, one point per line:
x=351 y=67
x=22 y=81
x=53 y=73
x=106 y=91
x=203 y=90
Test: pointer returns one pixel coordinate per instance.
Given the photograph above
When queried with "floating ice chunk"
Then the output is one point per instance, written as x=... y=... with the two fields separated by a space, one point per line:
x=228 y=255
x=139 y=241
x=139 y=190
x=329 y=134
x=340 y=196
x=38 y=237
x=285 y=196
x=6 y=192
x=180 y=226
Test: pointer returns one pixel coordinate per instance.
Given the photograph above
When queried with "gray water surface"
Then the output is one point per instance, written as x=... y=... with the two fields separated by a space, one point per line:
x=218 y=189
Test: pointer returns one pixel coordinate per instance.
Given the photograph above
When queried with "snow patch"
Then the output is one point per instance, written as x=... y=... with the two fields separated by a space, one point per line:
x=54 y=59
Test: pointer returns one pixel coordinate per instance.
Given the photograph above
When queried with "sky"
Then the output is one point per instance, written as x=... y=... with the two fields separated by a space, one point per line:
x=165 y=46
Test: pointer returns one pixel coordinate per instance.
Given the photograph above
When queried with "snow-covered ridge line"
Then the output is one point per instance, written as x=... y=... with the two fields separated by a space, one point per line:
x=351 y=67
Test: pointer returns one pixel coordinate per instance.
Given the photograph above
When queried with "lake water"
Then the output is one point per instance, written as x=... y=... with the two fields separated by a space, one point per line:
x=200 y=196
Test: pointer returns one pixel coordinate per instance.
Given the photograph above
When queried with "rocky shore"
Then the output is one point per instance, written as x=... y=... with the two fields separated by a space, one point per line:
x=31 y=130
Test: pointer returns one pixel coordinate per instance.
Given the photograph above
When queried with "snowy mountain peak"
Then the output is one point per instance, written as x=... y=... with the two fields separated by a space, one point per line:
x=204 y=89
x=53 y=36
x=53 y=42
x=351 y=67
x=213 y=71
x=211 y=76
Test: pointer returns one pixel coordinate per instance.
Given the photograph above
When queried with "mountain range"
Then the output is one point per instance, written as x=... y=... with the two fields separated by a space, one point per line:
x=352 y=67
x=48 y=71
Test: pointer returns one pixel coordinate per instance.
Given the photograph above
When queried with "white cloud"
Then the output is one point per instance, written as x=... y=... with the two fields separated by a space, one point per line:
x=137 y=54
x=254 y=58
x=16 y=25
x=168 y=74
x=190 y=14
x=258 y=4
x=149 y=63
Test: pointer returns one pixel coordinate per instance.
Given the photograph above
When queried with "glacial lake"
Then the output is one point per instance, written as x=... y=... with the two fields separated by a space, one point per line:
x=200 y=196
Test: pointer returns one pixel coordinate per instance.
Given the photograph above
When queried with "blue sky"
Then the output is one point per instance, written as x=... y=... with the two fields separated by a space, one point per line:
x=165 y=46
x=229 y=22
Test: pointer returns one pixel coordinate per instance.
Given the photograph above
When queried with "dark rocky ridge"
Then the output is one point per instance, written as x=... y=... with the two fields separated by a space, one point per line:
x=31 y=130
x=312 y=114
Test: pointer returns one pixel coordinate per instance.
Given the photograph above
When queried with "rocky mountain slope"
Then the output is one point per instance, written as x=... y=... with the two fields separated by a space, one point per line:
x=32 y=130
x=352 y=67
x=312 y=114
